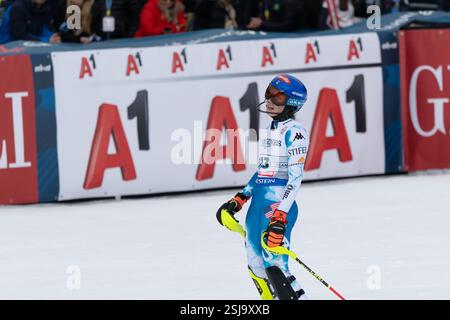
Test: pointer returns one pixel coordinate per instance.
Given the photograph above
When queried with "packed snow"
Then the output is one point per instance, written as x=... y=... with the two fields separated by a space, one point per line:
x=370 y=238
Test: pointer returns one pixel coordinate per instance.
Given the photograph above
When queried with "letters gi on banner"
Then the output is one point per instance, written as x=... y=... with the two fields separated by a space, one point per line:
x=425 y=79
x=18 y=168
x=133 y=121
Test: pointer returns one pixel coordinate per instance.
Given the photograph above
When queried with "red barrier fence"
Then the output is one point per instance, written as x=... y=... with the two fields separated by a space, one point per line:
x=425 y=83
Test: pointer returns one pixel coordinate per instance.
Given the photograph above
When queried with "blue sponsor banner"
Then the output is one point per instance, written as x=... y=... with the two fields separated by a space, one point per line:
x=392 y=103
x=47 y=155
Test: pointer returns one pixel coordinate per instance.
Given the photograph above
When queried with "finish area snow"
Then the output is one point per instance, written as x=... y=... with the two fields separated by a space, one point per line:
x=370 y=238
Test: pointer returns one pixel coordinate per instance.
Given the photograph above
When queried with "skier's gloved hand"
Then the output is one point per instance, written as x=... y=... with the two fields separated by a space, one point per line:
x=232 y=206
x=276 y=229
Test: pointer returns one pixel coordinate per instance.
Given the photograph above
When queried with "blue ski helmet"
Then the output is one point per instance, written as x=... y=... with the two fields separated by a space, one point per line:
x=293 y=88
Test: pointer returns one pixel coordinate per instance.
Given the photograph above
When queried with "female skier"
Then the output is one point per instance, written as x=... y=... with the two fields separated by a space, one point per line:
x=272 y=189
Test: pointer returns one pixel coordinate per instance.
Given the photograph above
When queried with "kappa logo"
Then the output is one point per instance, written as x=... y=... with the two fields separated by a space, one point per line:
x=298 y=136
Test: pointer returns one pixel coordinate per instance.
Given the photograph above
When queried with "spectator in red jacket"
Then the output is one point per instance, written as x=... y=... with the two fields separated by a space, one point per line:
x=161 y=17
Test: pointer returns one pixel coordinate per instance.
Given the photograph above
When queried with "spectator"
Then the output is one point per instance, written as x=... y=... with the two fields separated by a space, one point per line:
x=337 y=14
x=52 y=4
x=310 y=14
x=141 y=4
x=189 y=13
x=386 y=6
x=219 y=14
x=125 y=16
x=91 y=21
x=276 y=15
x=160 y=17
x=361 y=9
x=28 y=20
x=244 y=12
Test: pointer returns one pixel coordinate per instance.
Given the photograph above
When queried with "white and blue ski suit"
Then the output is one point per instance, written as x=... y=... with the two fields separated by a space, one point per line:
x=282 y=154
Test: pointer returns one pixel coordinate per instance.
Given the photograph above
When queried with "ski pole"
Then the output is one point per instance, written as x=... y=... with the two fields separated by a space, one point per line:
x=232 y=224
x=280 y=250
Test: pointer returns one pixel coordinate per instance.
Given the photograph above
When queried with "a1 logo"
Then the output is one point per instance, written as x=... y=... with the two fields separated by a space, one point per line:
x=109 y=124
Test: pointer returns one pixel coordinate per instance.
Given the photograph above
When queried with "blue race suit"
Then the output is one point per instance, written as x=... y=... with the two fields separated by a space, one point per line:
x=282 y=154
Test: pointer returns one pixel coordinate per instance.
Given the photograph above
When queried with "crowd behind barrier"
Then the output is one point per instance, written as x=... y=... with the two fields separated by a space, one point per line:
x=54 y=21
x=62 y=105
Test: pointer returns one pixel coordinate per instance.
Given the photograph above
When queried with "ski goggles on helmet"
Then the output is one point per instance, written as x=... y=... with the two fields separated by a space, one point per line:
x=278 y=99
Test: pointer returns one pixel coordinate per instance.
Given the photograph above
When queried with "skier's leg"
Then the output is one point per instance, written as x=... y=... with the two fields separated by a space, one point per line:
x=262 y=285
x=254 y=249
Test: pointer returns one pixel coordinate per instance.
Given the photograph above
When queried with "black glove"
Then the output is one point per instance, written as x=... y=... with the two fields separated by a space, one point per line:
x=232 y=206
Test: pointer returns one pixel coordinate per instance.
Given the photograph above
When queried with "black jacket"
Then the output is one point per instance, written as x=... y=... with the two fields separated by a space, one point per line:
x=209 y=15
x=28 y=21
x=310 y=14
x=284 y=15
x=68 y=35
x=189 y=5
x=126 y=15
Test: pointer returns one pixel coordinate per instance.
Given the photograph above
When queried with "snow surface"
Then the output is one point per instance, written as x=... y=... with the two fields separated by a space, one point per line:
x=172 y=247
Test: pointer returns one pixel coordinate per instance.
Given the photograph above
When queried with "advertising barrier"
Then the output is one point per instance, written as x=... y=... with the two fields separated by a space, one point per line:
x=133 y=121
x=18 y=164
x=178 y=113
x=425 y=77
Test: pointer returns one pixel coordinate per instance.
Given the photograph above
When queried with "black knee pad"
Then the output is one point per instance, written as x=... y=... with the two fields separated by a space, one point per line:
x=281 y=284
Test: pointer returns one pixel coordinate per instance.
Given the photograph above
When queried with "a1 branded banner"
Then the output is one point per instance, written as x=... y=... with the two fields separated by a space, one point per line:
x=139 y=121
x=18 y=173
x=425 y=79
